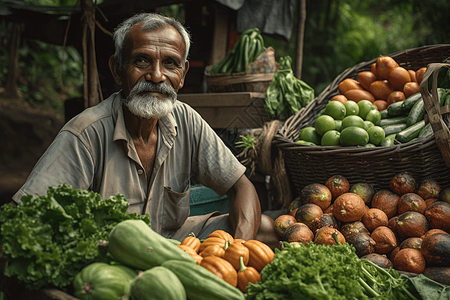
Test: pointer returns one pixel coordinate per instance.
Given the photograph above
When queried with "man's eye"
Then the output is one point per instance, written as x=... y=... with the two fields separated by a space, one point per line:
x=170 y=64
x=141 y=63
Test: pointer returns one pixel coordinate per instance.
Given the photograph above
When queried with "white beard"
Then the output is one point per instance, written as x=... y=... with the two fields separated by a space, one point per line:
x=142 y=105
x=149 y=106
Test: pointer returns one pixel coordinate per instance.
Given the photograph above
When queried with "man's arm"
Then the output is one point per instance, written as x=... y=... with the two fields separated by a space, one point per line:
x=245 y=209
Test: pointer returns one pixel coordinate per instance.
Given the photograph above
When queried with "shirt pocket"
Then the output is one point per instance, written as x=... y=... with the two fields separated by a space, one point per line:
x=176 y=208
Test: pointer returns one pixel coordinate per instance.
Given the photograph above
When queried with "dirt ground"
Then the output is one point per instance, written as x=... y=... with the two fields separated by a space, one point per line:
x=25 y=133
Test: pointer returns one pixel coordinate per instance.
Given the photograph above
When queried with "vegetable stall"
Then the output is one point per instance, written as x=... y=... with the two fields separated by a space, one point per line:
x=367 y=160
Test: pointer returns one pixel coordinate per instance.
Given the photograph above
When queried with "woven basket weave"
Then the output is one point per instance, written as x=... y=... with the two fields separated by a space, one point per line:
x=376 y=166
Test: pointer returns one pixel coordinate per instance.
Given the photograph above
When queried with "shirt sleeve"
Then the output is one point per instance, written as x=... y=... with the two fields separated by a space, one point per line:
x=66 y=160
x=213 y=162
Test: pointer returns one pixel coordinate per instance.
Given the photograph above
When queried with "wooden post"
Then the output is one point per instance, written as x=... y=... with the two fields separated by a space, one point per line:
x=91 y=85
x=13 y=63
x=220 y=36
x=299 y=38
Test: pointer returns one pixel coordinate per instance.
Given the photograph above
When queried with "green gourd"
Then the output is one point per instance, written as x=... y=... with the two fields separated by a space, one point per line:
x=157 y=283
x=102 y=281
x=135 y=244
x=202 y=284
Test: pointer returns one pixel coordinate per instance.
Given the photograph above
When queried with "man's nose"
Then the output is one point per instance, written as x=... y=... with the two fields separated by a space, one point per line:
x=155 y=73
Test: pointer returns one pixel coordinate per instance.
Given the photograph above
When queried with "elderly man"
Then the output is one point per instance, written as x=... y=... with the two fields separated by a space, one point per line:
x=143 y=143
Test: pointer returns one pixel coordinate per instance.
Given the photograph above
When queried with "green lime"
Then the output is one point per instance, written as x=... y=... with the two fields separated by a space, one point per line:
x=335 y=109
x=368 y=124
x=352 y=121
x=351 y=108
x=331 y=138
x=354 y=136
x=305 y=143
x=369 y=145
x=373 y=116
x=310 y=134
x=364 y=107
x=376 y=135
x=324 y=123
x=338 y=125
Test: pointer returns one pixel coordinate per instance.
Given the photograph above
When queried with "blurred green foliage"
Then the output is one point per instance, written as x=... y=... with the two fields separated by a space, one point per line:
x=342 y=33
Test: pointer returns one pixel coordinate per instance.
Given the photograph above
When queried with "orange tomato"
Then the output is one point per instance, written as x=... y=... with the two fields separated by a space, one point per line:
x=348 y=84
x=365 y=78
x=340 y=98
x=420 y=73
x=359 y=94
x=411 y=88
x=381 y=89
x=398 y=77
x=395 y=96
x=380 y=104
x=373 y=69
x=384 y=66
x=412 y=74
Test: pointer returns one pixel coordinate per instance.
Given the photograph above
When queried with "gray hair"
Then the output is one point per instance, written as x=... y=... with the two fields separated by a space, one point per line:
x=150 y=21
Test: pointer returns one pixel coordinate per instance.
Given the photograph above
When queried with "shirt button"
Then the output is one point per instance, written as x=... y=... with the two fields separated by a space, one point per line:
x=140 y=172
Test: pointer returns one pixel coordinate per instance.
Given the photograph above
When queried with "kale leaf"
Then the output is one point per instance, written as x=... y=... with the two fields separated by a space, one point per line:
x=48 y=239
x=287 y=94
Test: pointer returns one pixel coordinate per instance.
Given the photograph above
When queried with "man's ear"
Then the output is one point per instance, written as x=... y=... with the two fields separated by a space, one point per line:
x=114 y=68
x=186 y=69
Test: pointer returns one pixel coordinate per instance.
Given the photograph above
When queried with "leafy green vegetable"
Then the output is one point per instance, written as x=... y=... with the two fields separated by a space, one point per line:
x=429 y=289
x=246 y=142
x=48 y=239
x=286 y=93
x=327 y=272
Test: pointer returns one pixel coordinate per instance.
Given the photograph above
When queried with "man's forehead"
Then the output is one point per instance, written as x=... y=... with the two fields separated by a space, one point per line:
x=138 y=29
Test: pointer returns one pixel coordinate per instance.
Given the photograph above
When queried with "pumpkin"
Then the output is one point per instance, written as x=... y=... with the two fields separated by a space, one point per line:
x=103 y=281
x=222 y=234
x=246 y=275
x=217 y=237
x=188 y=250
x=222 y=268
x=233 y=254
x=210 y=241
x=192 y=241
x=260 y=254
x=213 y=250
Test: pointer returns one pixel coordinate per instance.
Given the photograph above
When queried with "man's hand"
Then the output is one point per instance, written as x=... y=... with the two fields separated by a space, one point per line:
x=245 y=209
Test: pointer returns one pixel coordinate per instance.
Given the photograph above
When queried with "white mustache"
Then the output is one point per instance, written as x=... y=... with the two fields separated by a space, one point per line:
x=145 y=86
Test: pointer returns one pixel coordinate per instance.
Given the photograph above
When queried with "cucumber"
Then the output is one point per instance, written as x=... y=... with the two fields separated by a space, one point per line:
x=408 y=103
x=394 y=120
x=410 y=133
x=416 y=113
x=396 y=109
x=200 y=283
x=134 y=244
x=394 y=128
x=388 y=141
x=157 y=283
x=426 y=131
x=384 y=114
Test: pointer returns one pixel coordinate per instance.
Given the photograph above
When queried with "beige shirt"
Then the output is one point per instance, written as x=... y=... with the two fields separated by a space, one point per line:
x=94 y=151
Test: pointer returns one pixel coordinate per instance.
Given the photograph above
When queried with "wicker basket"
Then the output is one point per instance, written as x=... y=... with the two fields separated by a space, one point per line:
x=239 y=82
x=256 y=78
x=377 y=166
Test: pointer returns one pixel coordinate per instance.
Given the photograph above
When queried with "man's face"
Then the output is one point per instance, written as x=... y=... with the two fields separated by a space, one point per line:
x=153 y=70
